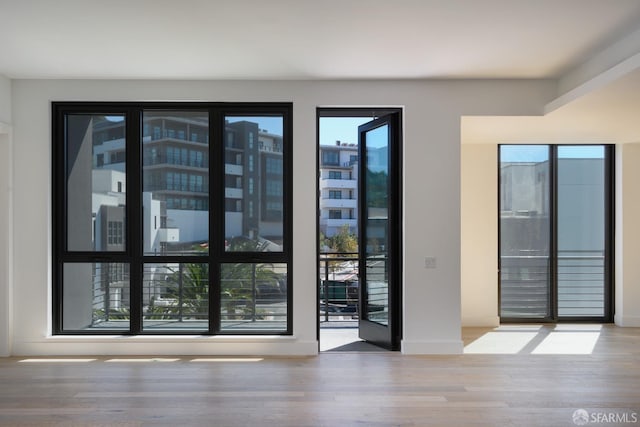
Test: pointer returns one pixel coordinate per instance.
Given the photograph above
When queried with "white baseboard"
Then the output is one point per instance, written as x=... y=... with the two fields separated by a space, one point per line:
x=166 y=346
x=627 y=321
x=432 y=347
x=481 y=321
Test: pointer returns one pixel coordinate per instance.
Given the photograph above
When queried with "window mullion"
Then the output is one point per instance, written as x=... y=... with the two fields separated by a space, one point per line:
x=134 y=216
x=216 y=215
x=553 y=252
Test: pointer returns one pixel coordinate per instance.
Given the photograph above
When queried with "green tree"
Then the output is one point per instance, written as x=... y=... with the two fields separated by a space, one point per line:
x=344 y=241
x=188 y=286
x=242 y=283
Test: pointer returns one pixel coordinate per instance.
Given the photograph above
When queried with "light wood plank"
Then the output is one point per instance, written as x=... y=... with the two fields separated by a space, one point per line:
x=333 y=389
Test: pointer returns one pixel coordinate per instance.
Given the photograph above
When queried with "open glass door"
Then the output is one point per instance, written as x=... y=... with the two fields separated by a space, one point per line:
x=379 y=187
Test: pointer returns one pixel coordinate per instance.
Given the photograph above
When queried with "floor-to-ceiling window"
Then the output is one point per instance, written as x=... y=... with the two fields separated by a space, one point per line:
x=556 y=232
x=172 y=218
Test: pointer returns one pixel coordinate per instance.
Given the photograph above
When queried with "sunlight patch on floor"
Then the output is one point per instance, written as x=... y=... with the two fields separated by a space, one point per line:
x=331 y=338
x=568 y=343
x=57 y=360
x=500 y=343
x=537 y=339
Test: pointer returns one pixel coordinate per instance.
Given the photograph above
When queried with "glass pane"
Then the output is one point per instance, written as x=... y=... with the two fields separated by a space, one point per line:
x=254 y=297
x=254 y=183
x=95 y=296
x=175 y=296
x=96 y=182
x=339 y=183
x=175 y=182
x=524 y=231
x=581 y=231
x=377 y=234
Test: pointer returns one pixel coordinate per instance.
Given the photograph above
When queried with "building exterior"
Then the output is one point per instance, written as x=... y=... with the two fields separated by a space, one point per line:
x=338 y=188
x=175 y=201
x=176 y=179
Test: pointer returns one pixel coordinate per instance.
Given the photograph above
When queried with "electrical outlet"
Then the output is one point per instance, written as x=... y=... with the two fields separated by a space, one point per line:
x=430 y=262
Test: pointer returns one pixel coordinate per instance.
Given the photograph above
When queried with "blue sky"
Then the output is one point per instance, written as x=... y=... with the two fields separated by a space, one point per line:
x=344 y=129
x=270 y=124
x=540 y=153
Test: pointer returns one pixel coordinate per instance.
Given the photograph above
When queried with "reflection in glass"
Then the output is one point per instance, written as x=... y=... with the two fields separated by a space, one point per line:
x=95 y=296
x=581 y=231
x=175 y=194
x=175 y=296
x=254 y=183
x=96 y=182
x=254 y=297
x=524 y=231
x=377 y=233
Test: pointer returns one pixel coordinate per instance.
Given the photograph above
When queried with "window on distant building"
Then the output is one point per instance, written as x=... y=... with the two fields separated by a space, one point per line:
x=335 y=214
x=335 y=175
x=152 y=257
x=330 y=158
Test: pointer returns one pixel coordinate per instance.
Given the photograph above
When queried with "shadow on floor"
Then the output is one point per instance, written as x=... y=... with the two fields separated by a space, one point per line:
x=344 y=338
x=357 y=346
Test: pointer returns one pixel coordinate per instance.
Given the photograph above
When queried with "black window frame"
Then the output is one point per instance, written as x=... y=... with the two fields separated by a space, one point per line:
x=609 y=240
x=133 y=255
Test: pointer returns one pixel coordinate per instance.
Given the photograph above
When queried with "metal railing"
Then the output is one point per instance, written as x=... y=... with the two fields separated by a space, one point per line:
x=338 y=286
x=174 y=294
x=525 y=284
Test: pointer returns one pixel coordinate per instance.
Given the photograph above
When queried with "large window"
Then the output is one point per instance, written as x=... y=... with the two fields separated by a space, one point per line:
x=172 y=218
x=556 y=232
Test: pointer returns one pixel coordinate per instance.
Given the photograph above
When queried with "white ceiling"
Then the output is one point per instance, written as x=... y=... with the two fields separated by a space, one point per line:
x=579 y=43
x=304 y=39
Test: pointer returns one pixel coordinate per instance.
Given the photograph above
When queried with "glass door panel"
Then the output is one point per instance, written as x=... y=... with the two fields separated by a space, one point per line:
x=377 y=217
x=379 y=248
x=525 y=232
x=581 y=216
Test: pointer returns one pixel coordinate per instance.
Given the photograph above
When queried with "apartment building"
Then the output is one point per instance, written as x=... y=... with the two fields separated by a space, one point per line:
x=338 y=188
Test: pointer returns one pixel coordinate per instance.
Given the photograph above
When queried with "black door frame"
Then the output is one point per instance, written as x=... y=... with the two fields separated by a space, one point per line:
x=386 y=336
x=373 y=112
x=609 y=240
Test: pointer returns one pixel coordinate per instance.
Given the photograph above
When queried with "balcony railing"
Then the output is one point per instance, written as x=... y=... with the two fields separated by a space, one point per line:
x=253 y=296
x=345 y=203
x=342 y=183
x=338 y=286
x=525 y=285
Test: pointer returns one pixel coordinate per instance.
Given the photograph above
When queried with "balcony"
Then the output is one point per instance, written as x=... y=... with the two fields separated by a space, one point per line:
x=338 y=203
x=338 y=287
x=233 y=193
x=175 y=297
x=347 y=184
x=337 y=223
x=230 y=169
x=525 y=285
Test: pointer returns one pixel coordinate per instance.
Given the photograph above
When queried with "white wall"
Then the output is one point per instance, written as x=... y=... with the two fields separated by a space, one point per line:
x=5 y=100
x=479 y=230
x=627 y=289
x=5 y=216
x=5 y=240
x=431 y=297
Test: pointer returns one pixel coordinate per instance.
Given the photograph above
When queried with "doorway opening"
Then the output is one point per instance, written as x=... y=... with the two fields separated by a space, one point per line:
x=358 y=284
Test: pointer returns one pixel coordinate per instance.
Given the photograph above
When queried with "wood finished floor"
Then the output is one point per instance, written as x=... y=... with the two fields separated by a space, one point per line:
x=333 y=389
